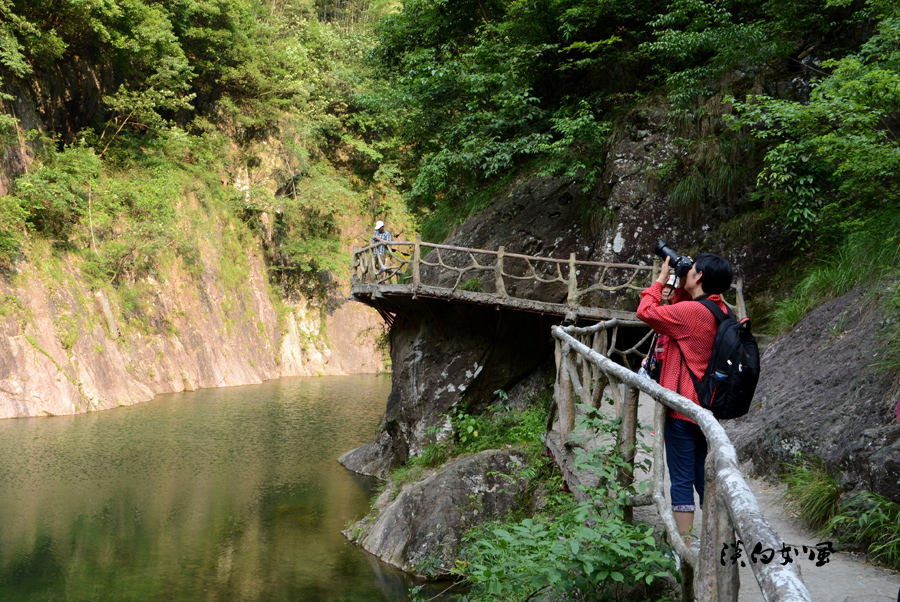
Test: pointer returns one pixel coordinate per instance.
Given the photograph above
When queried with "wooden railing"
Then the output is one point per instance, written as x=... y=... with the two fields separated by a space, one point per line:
x=417 y=263
x=730 y=512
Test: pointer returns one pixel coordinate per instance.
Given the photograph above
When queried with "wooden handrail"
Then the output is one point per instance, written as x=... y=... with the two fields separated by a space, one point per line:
x=730 y=505
x=432 y=245
x=575 y=277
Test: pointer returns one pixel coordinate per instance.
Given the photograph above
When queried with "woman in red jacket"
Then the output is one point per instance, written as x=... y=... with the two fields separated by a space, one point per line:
x=691 y=330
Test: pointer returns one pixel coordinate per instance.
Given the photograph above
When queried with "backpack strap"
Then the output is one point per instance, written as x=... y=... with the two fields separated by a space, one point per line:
x=720 y=315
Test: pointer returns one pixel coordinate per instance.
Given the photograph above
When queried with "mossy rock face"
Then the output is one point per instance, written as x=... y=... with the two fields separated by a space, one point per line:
x=444 y=356
x=821 y=395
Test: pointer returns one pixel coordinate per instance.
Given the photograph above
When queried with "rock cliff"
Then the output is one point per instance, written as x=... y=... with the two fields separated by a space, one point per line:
x=68 y=349
x=821 y=394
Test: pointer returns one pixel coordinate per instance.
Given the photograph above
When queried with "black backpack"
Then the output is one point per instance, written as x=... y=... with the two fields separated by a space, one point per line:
x=732 y=373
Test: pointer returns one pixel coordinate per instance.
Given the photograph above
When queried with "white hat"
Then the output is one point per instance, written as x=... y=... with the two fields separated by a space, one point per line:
x=379 y=225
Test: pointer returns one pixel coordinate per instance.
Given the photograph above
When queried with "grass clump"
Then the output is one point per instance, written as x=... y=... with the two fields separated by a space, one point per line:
x=813 y=492
x=868 y=256
x=472 y=285
x=864 y=519
x=502 y=427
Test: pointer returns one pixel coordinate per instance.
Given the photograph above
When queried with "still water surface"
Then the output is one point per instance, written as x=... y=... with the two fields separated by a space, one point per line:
x=218 y=495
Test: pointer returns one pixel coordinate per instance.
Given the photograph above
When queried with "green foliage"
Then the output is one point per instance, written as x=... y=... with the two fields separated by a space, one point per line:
x=579 y=141
x=484 y=88
x=12 y=220
x=833 y=159
x=472 y=284
x=867 y=256
x=466 y=428
x=588 y=551
x=56 y=196
x=872 y=521
x=432 y=456
x=699 y=42
x=813 y=492
x=67 y=330
x=500 y=428
x=317 y=200
x=703 y=48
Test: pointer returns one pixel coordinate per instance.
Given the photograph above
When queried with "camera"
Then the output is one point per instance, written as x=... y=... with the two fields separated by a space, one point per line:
x=680 y=265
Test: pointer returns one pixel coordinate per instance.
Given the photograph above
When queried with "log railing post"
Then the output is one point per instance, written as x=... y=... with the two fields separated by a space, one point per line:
x=627 y=438
x=572 y=297
x=354 y=266
x=554 y=407
x=687 y=582
x=373 y=265
x=498 y=274
x=705 y=583
x=728 y=577
x=586 y=378
x=364 y=265
x=739 y=290
x=716 y=582
x=600 y=379
x=417 y=256
x=565 y=400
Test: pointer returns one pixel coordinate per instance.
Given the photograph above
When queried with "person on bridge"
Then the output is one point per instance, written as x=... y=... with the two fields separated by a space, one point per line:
x=379 y=236
x=691 y=329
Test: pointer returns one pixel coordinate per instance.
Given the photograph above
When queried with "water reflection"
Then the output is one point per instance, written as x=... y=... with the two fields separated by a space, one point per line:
x=218 y=495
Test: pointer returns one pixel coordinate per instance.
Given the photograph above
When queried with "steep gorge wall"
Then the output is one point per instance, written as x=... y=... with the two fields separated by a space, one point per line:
x=67 y=349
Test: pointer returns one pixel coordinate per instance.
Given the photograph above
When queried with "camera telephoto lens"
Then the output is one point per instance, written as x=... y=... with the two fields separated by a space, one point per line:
x=680 y=265
x=663 y=251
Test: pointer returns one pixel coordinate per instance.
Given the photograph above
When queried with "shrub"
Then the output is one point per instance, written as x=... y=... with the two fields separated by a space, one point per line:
x=588 y=552
x=58 y=193
x=872 y=521
x=12 y=225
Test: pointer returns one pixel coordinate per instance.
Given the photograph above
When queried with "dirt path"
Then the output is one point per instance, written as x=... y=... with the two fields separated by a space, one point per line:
x=844 y=578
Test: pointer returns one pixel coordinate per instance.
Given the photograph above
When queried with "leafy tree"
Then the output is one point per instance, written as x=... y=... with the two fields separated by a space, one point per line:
x=833 y=161
x=487 y=87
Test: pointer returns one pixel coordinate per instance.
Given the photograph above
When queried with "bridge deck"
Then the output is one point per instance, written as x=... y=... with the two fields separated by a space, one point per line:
x=392 y=298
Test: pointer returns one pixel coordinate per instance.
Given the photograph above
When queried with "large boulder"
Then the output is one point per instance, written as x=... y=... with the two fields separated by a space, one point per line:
x=821 y=394
x=419 y=531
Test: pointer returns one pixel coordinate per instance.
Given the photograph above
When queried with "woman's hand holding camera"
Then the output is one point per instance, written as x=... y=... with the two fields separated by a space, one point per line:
x=664 y=272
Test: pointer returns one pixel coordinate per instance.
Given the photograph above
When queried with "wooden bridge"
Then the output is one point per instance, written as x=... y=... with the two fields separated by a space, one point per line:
x=392 y=276
x=388 y=275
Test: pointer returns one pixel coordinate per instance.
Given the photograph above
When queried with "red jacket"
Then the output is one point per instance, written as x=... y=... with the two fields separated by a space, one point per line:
x=692 y=326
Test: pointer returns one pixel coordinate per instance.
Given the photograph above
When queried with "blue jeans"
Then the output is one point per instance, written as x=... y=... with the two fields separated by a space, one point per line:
x=685 y=455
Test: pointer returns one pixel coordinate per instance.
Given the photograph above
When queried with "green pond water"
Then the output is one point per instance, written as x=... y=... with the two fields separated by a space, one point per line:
x=217 y=495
